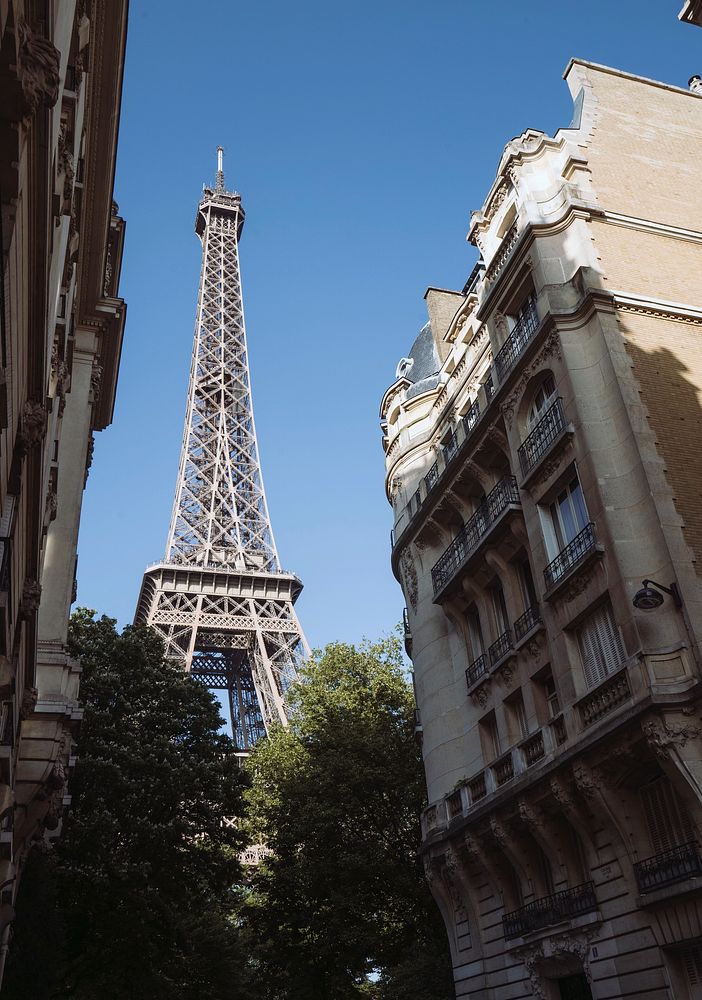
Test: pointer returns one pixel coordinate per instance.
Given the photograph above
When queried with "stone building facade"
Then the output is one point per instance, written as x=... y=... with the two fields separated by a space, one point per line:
x=61 y=333
x=543 y=460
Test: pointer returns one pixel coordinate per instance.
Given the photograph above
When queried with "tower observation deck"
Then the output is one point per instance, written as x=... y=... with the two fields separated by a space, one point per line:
x=219 y=600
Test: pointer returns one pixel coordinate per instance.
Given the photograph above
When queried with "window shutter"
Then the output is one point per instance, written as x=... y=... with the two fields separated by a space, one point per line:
x=601 y=646
x=667 y=819
x=692 y=963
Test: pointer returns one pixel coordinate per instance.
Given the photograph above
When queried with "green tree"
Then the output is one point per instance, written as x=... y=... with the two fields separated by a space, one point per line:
x=139 y=895
x=340 y=908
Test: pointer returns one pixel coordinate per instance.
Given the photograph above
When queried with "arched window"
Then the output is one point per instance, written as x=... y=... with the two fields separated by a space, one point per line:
x=543 y=398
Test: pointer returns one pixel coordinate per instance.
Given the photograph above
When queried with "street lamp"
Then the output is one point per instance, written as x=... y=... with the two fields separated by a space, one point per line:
x=648 y=598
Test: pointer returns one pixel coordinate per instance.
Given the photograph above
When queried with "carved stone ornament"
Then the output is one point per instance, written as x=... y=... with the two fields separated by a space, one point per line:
x=533 y=647
x=96 y=381
x=409 y=576
x=549 y=467
x=551 y=348
x=33 y=425
x=395 y=487
x=31 y=596
x=561 y=793
x=51 y=504
x=89 y=457
x=499 y=832
x=480 y=695
x=528 y=815
x=587 y=780
x=38 y=65
x=29 y=702
x=506 y=672
x=663 y=737
x=577 y=586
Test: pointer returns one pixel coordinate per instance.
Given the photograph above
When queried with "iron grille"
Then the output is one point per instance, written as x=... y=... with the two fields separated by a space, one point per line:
x=668 y=867
x=501 y=647
x=497 y=501
x=432 y=476
x=522 y=332
x=545 y=432
x=550 y=910
x=571 y=555
x=450 y=447
x=477 y=669
x=471 y=417
x=533 y=748
x=529 y=620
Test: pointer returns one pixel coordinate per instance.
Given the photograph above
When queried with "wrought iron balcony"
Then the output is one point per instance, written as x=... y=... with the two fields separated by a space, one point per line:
x=471 y=417
x=522 y=332
x=529 y=620
x=468 y=538
x=479 y=668
x=450 y=447
x=668 y=867
x=614 y=691
x=550 y=910
x=489 y=386
x=548 y=429
x=432 y=476
x=501 y=647
x=568 y=558
x=407 y=632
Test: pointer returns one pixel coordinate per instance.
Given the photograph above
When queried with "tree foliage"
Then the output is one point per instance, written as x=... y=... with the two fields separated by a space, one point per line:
x=138 y=896
x=340 y=908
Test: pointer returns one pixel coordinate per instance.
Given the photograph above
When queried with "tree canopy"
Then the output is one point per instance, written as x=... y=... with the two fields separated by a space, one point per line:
x=139 y=894
x=340 y=906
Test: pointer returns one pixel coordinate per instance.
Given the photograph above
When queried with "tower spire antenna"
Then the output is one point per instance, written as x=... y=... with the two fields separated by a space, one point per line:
x=219 y=600
x=219 y=186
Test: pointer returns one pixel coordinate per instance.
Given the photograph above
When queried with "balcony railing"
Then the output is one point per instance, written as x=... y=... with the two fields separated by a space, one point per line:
x=494 y=504
x=471 y=417
x=478 y=668
x=407 y=632
x=450 y=447
x=489 y=386
x=477 y=787
x=498 y=261
x=604 y=699
x=529 y=620
x=522 y=332
x=668 y=867
x=503 y=769
x=454 y=805
x=570 y=556
x=533 y=749
x=432 y=476
x=558 y=730
x=501 y=647
x=545 y=432
x=550 y=910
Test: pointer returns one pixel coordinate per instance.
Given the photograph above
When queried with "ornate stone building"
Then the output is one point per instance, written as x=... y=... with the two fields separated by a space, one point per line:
x=60 y=341
x=542 y=443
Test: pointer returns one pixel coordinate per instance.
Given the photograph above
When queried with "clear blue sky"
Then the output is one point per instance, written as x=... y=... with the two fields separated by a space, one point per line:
x=361 y=136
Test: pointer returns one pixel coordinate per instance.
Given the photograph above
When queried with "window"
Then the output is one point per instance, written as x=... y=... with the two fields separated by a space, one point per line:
x=568 y=513
x=526 y=581
x=546 y=870
x=601 y=646
x=542 y=400
x=518 y=717
x=499 y=606
x=667 y=820
x=475 y=633
x=551 y=696
x=490 y=737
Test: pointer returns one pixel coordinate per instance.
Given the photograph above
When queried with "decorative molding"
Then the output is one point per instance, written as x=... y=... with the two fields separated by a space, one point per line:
x=481 y=694
x=587 y=780
x=29 y=702
x=576 y=586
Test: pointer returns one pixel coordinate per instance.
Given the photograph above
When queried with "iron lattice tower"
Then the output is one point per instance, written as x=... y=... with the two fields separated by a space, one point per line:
x=219 y=600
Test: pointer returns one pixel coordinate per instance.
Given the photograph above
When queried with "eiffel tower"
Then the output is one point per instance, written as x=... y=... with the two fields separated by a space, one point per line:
x=219 y=600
